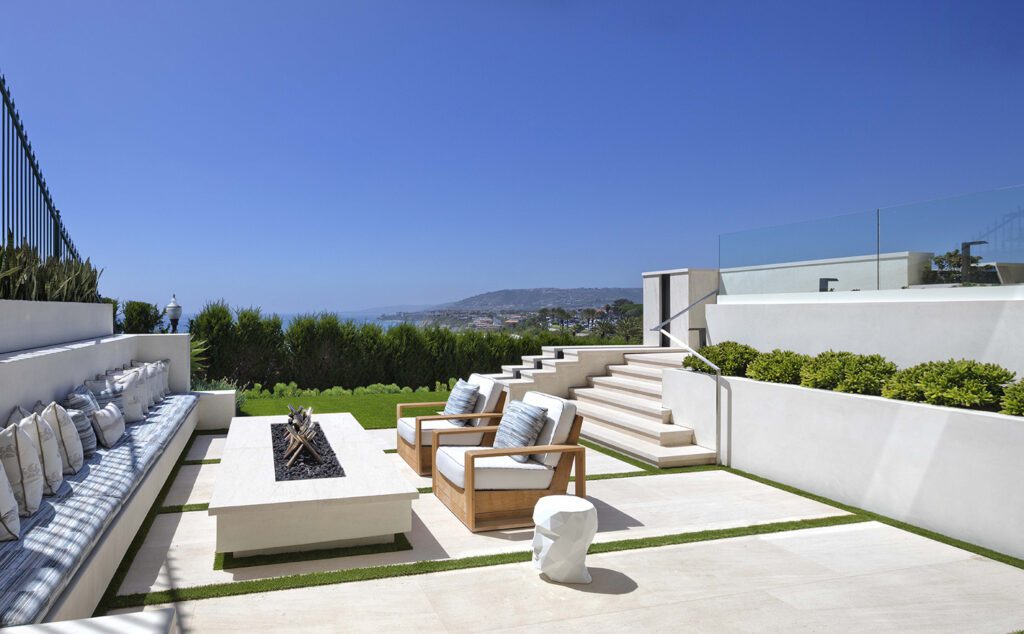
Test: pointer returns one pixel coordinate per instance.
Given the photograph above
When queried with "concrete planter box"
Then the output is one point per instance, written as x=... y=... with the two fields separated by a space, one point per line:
x=216 y=408
x=950 y=470
x=27 y=325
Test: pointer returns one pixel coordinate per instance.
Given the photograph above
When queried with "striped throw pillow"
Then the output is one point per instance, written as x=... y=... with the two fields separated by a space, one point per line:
x=462 y=400
x=85 y=433
x=519 y=427
x=106 y=392
x=17 y=414
x=82 y=399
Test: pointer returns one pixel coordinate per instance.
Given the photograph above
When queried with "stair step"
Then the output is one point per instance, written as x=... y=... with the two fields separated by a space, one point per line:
x=634 y=404
x=639 y=426
x=664 y=457
x=656 y=359
x=629 y=387
x=638 y=372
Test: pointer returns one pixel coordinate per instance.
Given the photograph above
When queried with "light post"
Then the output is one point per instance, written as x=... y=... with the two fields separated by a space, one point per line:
x=965 y=259
x=173 y=311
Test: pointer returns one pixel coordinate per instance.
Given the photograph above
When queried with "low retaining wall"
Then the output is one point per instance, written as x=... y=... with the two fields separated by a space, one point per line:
x=27 y=325
x=953 y=471
x=216 y=408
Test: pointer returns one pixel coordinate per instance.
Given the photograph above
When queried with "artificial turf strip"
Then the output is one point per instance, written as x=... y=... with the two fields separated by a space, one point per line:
x=210 y=432
x=183 y=508
x=205 y=461
x=309 y=580
x=910 y=528
x=140 y=537
x=425 y=489
x=641 y=474
x=222 y=561
x=390 y=451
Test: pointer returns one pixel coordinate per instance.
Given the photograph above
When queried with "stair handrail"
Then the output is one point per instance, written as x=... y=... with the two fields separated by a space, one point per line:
x=718 y=392
x=702 y=299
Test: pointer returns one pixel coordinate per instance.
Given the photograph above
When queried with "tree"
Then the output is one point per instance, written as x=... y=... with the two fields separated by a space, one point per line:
x=630 y=329
x=143 y=318
x=948 y=269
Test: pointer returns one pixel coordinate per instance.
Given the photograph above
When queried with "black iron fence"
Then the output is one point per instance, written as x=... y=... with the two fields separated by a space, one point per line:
x=27 y=212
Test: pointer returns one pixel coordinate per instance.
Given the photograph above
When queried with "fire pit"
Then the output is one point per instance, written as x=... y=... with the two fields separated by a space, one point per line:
x=301 y=450
x=259 y=513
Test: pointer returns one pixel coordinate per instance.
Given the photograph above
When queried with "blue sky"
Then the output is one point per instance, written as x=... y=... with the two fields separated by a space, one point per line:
x=343 y=155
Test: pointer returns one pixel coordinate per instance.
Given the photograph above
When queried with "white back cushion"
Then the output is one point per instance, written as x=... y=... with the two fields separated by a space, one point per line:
x=487 y=399
x=10 y=523
x=46 y=448
x=561 y=414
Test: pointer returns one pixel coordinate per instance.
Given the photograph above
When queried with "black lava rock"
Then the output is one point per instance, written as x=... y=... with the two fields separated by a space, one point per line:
x=305 y=467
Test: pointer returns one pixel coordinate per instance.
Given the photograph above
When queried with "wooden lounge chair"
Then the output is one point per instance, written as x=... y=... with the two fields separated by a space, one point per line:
x=415 y=434
x=488 y=490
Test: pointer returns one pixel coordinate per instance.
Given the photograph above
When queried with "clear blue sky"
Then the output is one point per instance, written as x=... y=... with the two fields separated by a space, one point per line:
x=342 y=155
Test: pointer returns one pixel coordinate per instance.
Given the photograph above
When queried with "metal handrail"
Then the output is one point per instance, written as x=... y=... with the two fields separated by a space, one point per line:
x=718 y=392
x=705 y=298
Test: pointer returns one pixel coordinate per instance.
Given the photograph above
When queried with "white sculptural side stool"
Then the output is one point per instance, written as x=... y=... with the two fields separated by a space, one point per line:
x=565 y=526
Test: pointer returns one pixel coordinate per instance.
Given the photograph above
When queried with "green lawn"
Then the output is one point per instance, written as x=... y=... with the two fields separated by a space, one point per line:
x=373 y=411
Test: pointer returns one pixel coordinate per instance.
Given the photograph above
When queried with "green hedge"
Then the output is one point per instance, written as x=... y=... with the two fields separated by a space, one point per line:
x=323 y=351
x=957 y=383
x=25 y=276
x=733 y=358
x=777 y=366
x=847 y=372
x=1013 y=399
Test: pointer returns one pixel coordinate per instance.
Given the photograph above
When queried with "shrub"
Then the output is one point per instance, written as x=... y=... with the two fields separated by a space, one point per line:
x=777 y=366
x=1013 y=399
x=23 y=275
x=847 y=372
x=733 y=358
x=956 y=383
x=143 y=318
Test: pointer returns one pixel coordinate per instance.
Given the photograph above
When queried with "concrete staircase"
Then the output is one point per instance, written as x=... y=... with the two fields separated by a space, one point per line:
x=623 y=411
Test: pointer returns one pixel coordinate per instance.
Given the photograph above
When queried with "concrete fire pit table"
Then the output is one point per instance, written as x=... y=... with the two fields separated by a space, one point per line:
x=258 y=515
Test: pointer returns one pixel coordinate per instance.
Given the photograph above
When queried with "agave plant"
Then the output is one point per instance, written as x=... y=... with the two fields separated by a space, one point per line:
x=23 y=275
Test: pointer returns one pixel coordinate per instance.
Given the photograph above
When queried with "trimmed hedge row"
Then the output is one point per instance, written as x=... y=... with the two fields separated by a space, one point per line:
x=323 y=351
x=955 y=383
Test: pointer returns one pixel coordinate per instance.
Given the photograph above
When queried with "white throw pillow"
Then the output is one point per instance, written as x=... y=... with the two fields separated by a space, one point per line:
x=108 y=424
x=10 y=523
x=17 y=414
x=48 y=450
x=165 y=376
x=72 y=456
x=21 y=464
x=133 y=396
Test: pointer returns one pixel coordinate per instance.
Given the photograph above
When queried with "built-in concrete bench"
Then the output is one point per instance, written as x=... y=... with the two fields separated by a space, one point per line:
x=71 y=547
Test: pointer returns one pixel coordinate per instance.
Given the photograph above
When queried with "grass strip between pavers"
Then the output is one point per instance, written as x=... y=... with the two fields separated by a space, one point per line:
x=183 y=508
x=211 y=432
x=308 y=580
x=198 y=462
x=882 y=519
x=425 y=489
x=390 y=451
x=619 y=456
x=227 y=561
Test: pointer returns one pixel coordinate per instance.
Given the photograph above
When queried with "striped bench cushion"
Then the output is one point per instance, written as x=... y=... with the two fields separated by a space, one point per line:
x=57 y=538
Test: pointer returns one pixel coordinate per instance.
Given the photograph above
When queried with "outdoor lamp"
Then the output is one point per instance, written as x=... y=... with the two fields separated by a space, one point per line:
x=173 y=311
x=965 y=259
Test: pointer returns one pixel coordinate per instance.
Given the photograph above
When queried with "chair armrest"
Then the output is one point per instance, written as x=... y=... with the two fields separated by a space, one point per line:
x=452 y=432
x=523 y=451
x=401 y=407
x=458 y=416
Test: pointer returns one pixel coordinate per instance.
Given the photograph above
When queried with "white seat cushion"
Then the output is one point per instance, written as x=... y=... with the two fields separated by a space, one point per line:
x=561 y=414
x=494 y=473
x=407 y=430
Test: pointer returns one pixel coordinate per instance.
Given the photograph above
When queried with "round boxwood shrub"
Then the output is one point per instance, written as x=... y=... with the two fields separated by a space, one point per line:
x=1013 y=399
x=956 y=383
x=777 y=366
x=733 y=358
x=847 y=372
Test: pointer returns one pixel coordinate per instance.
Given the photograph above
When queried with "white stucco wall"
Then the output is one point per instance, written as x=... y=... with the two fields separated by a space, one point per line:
x=685 y=287
x=48 y=374
x=26 y=325
x=892 y=270
x=953 y=471
x=905 y=326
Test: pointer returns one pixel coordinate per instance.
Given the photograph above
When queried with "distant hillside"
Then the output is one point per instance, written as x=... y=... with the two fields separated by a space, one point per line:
x=537 y=298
